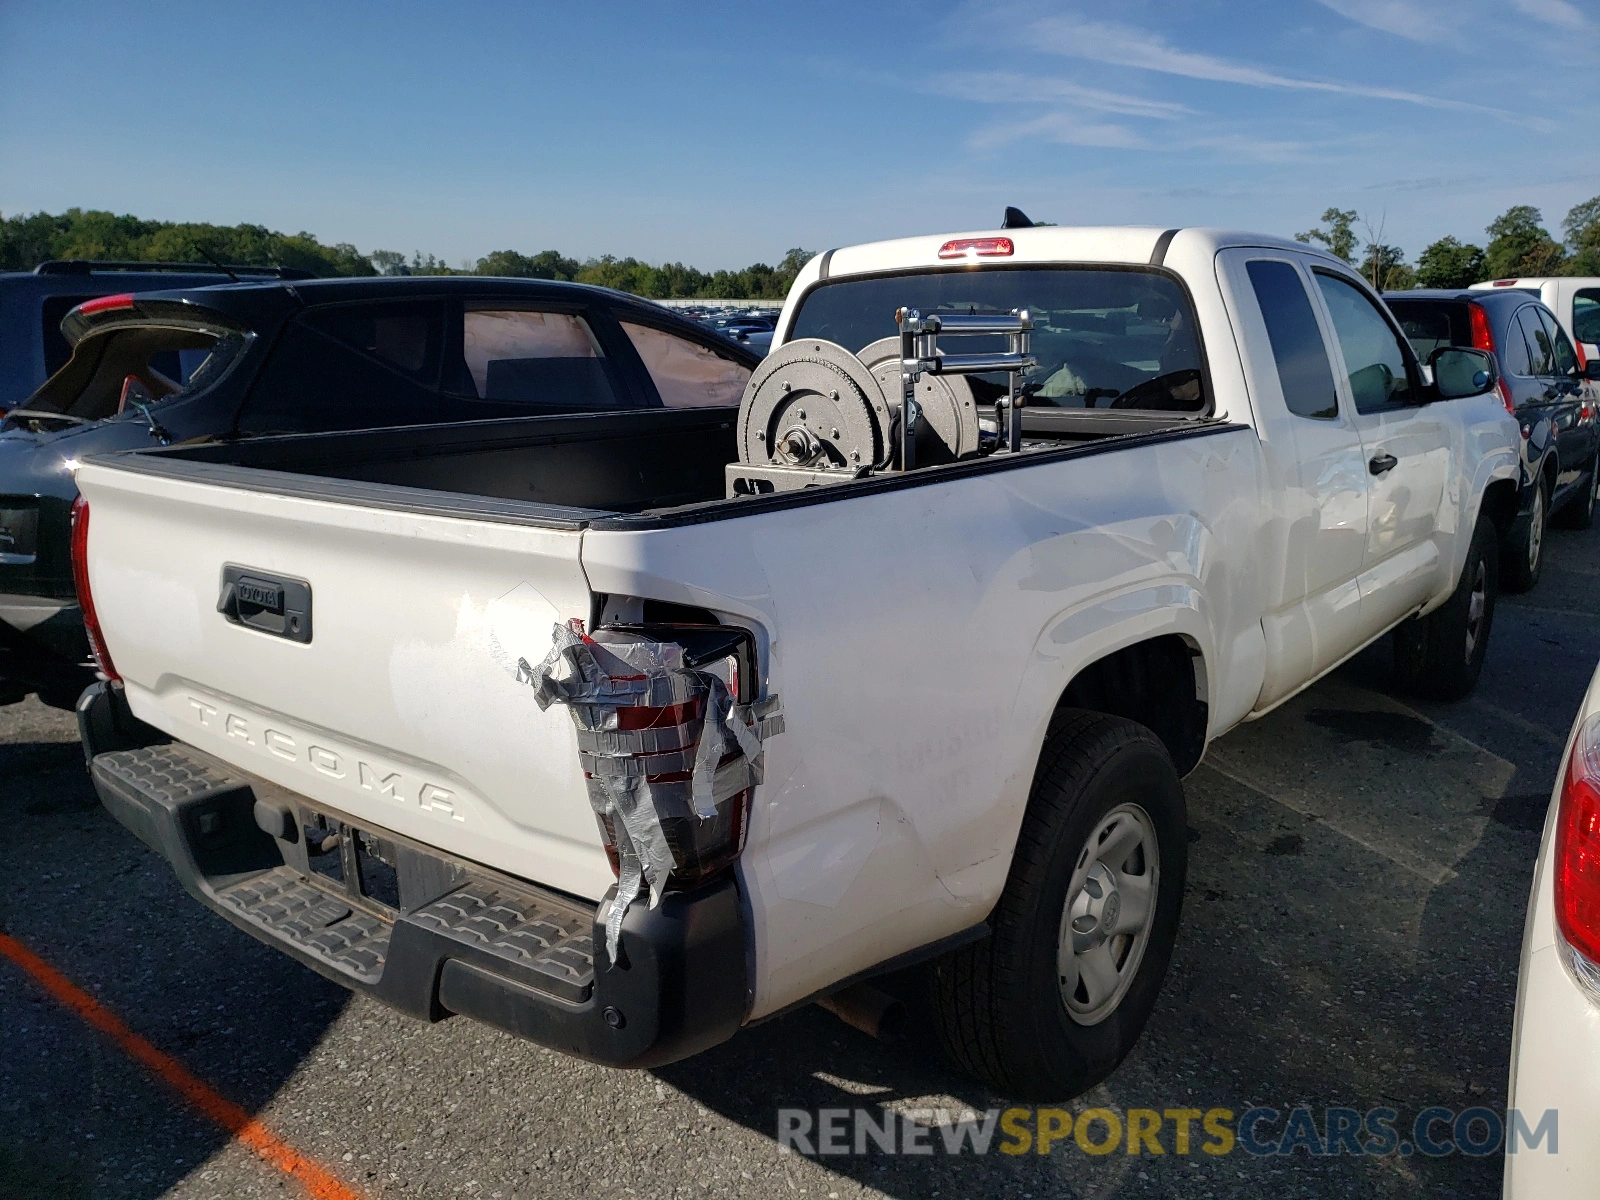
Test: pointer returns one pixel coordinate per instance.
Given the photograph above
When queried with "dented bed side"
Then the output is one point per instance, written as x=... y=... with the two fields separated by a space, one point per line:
x=913 y=716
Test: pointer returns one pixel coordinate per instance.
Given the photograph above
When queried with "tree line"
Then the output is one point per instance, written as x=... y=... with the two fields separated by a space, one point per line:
x=28 y=240
x=1518 y=245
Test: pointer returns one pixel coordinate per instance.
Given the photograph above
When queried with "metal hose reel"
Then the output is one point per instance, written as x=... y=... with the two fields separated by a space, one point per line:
x=814 y=413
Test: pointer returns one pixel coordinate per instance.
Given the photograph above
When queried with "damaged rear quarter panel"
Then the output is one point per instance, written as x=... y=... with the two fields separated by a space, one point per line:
x=919 y=640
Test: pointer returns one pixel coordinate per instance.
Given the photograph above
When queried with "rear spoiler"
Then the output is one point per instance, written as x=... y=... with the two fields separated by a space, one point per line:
x=109 y=310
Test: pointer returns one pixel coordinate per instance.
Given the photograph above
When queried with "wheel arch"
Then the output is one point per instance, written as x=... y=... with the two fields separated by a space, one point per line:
x=1145 y=655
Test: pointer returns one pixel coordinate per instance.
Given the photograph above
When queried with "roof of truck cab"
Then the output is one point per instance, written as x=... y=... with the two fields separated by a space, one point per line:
x=1133 y=245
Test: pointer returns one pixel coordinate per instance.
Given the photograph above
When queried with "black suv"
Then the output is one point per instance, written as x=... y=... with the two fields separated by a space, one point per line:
x=240 y=360
x=1543 y=386
x=32 y=304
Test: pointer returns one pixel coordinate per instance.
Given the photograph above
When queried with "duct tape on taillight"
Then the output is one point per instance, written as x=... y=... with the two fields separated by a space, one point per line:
x=669 y=756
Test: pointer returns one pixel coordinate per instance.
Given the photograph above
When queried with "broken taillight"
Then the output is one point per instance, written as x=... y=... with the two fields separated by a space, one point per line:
x=80 y=578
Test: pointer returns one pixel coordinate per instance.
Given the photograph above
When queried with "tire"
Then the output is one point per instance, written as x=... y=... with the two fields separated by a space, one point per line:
x=1522 y=554
x=1002 y=1004
x=1439 y=656
x=1578 y=513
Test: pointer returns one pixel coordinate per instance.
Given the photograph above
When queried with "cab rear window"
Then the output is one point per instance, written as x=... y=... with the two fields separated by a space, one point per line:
x=1432 y=324
x=1104 y=338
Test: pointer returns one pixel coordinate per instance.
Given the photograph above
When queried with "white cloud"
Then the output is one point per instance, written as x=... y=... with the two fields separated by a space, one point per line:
x=1404 y=18
x=1005 y=87
x=1560 y=13
x=1124 y=46
x=1061 y=127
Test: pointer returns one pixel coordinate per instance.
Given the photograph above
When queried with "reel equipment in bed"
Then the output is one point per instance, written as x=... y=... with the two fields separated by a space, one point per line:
x=814 y=413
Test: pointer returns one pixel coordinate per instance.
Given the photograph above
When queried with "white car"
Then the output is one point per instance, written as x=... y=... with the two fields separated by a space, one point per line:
x=1555 y=1049
x=1574 y=299
x=1004 y=531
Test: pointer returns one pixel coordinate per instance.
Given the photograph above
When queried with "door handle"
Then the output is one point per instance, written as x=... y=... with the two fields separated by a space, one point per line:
x=1382 y=462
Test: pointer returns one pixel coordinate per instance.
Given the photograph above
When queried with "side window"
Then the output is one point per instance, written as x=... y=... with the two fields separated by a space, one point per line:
x=403 y=337
x=540 y=359
x=1297 y=346
x=686 y=374
x=1561 y=351
x=315 y=382
x=1541 y=353
x=1513 y=350
x=1586 y=315
x=1372 y=354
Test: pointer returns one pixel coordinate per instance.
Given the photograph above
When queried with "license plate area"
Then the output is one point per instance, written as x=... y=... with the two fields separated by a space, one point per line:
x=360 y=865
x=373 y=870
x=19 y=530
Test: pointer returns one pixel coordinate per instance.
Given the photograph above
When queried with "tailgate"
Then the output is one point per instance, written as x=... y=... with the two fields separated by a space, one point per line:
x=394 y=698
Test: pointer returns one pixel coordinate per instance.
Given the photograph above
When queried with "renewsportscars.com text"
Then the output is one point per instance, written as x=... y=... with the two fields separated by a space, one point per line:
x=1258 y=1131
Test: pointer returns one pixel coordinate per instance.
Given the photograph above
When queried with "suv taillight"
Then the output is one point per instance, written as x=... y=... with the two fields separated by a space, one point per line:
x=1483 y=339
x=80 y=577
x=1577 y=883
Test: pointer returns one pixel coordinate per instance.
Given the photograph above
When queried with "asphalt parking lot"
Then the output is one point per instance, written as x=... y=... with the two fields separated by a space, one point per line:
x=1358 y=878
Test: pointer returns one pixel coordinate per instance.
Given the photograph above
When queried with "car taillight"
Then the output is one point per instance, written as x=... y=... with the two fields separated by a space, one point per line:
x=80 y=577
x=1483 y=339
x=986 y=247
x=1577 y=884
x=105 y=304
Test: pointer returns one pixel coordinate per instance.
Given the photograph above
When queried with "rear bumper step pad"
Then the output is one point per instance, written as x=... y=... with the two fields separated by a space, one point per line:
x=466 y=939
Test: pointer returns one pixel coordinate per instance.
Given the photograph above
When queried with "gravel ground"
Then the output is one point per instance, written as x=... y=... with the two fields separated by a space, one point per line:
x=1358 y=876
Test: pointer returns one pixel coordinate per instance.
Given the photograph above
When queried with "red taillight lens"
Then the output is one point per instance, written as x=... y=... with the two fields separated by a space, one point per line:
x=989 y=247
x=1578 y=845
x=642 y=717
x=1482 y=335
x=105 y=304
x=80 y=577
x=1483 y=339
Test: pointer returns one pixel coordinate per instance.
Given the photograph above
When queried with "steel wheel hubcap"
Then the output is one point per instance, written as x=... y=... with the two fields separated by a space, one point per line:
x=1110 y=909
x=1477 y=603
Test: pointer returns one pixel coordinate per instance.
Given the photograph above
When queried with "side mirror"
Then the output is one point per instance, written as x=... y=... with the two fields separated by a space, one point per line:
x=1591 y=369
x=1459 y=372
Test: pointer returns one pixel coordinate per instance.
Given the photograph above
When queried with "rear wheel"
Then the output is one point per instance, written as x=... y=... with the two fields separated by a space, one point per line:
x=1522 y=556
x=1579 y=511
x=1440 y=655
x=1048 y=1005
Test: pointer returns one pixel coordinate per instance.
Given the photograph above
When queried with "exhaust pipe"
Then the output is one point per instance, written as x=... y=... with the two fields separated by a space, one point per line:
x=875 y=1013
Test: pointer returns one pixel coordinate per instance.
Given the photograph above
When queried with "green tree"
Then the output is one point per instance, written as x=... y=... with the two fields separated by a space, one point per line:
x=547 y=264
x=26 y=241
x=388 y=262
x=1385 y=267
x=1520 y=245
x=1339 y=236
x=1449 y=263
x=1582 y=227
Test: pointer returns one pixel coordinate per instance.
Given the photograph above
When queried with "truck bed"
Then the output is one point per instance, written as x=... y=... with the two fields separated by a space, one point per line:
x=662 y=466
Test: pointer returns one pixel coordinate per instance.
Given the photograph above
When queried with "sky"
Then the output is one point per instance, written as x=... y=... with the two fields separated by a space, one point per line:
x=722 y=134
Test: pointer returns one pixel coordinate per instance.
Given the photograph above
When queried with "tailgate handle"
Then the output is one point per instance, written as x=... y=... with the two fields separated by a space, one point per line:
x=272 y=604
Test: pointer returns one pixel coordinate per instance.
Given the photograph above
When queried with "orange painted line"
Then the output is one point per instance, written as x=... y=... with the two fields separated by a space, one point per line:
x=319 y=1182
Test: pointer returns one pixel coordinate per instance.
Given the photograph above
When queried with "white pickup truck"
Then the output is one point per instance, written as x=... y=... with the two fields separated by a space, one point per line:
x=902 y=658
